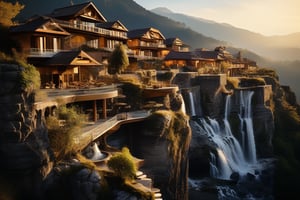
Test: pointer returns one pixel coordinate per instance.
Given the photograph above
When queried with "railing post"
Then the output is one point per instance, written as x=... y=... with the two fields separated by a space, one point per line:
x=104 y=108
x=95 y=111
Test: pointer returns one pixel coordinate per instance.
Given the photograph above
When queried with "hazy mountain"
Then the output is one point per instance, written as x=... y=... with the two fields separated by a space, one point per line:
x=286 y=47
x=131 y=14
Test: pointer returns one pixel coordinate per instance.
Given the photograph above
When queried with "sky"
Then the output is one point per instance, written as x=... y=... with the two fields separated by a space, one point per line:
x=268 y=17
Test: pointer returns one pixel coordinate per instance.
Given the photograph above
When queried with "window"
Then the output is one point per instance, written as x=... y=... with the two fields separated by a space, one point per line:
x=93 y=43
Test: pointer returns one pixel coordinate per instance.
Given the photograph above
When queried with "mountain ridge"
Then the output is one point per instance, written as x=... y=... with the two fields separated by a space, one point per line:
x=275 y=47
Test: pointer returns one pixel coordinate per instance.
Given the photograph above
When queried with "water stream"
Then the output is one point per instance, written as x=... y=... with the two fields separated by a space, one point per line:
x=232 y=155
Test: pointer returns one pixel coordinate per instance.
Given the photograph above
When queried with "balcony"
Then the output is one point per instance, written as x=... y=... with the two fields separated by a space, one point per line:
x=152 y=45
x=92 y=29
x=46 y=53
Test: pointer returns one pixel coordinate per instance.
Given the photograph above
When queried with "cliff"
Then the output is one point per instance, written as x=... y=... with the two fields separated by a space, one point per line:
x=25 y=156
x=286 y=140
x=162 y=141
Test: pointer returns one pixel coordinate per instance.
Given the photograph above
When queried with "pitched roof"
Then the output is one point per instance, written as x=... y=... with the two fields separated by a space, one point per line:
x=40 y=24
x=178 y=55
x=143 y=33
x=115 y=25
x=170 y=41
x=68 y=58
x=75 y=10
x=209 y=55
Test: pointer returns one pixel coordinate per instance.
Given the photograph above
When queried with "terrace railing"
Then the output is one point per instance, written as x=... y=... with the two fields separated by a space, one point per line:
x=94 y=29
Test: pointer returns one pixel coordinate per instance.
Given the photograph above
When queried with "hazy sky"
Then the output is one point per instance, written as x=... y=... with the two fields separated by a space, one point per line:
x=269 y=17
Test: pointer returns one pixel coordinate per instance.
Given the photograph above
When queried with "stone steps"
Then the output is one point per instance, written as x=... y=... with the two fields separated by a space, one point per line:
x=147 y=182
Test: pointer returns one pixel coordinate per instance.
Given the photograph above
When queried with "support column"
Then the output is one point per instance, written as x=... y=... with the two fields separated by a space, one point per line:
x=95 y=111
x=104 y=109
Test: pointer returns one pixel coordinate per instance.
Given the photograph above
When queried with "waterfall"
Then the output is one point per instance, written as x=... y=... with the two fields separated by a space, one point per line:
x=97 y=153
x=192 y=104
x=230 y=156
x=247 y=135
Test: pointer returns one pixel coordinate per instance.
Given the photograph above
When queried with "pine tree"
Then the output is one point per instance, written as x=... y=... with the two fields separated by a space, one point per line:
x=118 y=61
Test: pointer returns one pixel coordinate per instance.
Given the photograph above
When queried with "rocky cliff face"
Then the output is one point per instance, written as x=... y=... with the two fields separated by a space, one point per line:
x=213 y=94
x=25 y=157
x=162 y=141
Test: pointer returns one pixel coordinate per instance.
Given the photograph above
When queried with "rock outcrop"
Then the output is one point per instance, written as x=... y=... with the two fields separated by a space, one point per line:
x=162 y=141
x=25 y=156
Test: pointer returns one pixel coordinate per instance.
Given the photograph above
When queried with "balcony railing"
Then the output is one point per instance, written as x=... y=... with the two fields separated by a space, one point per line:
x=36 y=52
x=94 y=29
x=154 y=45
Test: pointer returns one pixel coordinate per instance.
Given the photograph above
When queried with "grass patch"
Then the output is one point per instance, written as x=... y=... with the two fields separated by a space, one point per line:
x=122 y=163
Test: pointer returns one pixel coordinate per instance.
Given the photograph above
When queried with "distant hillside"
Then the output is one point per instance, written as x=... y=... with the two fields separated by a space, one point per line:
x=275 y=47
x=131 y=15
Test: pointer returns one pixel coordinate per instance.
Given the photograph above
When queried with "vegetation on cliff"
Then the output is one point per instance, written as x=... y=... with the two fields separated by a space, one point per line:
x=286 y=141
x=122 y=163
x=63 y=128
x=174 y=127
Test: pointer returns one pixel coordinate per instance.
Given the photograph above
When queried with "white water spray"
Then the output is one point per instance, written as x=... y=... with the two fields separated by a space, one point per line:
x=245 y=115
x=230 y=155
x=98 y=155
x=192 y=104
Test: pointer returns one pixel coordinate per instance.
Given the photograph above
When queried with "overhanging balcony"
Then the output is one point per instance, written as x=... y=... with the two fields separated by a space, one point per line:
x=92 y=29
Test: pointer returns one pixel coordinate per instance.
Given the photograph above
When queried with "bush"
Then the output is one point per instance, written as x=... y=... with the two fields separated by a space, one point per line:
x=63 y=136
x=123 y=164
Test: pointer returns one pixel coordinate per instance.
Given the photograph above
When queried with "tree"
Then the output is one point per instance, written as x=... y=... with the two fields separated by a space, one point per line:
x=8 y=11
x=118 y=60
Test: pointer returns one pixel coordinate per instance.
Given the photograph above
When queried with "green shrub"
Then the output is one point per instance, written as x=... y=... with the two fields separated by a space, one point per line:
x=122 y=163
x=30 y=77
x=63 y=136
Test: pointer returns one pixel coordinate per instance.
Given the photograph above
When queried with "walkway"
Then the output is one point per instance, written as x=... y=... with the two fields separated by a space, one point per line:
x=96 y=130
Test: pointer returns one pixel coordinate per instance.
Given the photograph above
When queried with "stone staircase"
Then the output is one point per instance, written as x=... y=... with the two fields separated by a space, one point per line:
x=147 y=182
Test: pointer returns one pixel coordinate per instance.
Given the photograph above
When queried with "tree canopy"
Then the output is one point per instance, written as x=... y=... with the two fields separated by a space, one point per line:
x=118 y=60
x=8 y=11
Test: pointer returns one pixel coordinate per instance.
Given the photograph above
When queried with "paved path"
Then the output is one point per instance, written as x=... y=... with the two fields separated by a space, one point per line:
x=96 y=130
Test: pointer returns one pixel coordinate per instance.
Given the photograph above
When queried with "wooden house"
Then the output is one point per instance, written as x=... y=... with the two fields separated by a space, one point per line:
x=147 y=43
x=176 y=44
x=78 y=33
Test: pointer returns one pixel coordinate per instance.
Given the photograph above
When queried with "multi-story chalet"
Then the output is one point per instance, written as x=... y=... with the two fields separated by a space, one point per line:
x=176 y=44
x=147 y=43
x=55 y=43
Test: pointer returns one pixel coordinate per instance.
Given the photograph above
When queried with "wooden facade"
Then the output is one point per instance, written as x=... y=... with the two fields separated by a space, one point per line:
x=147 y=43
x=54 y=43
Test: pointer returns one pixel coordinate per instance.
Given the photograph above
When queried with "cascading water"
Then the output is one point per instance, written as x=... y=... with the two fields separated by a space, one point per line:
x=233 y=158
x=97 y=154
x=192 y=104
x=248 y=142
x=230 y=155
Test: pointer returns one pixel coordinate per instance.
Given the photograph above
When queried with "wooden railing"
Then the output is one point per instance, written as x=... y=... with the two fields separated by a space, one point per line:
x=94 y=29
